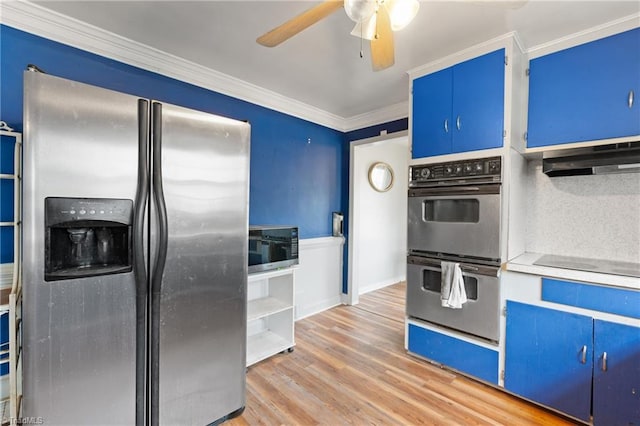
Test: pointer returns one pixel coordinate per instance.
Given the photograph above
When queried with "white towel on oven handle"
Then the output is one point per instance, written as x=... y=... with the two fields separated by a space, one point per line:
x=452 y=292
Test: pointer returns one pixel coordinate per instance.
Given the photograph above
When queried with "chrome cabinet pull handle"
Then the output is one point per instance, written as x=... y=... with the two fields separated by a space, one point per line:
x=630 y=98
x=604 y=361
x=583 y=358
x=446 y=125
x=458 y=123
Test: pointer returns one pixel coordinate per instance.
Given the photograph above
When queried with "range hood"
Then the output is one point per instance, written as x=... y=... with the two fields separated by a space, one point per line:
x=594 y=160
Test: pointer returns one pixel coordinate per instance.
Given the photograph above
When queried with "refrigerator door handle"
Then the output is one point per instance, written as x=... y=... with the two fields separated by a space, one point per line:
x=158 y=196
x=139 y=261
x=159 y=261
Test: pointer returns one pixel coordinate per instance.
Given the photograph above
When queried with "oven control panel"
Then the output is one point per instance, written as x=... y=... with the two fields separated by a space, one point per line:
x=480 y=169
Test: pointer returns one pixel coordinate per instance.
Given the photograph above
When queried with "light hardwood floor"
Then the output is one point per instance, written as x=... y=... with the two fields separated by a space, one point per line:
x=350 y=367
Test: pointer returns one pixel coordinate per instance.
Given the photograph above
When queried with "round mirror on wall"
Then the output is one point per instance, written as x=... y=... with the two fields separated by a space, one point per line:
x=381 y=176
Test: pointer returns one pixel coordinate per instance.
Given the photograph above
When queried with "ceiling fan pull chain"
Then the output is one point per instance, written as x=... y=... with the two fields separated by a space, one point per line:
x=361 y=54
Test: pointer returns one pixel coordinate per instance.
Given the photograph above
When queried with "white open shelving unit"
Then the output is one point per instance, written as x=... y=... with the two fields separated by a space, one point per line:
x=270 y=313
x=12 y=306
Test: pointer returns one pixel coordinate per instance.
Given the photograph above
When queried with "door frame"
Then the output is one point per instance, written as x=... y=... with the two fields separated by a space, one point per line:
x=353 y=284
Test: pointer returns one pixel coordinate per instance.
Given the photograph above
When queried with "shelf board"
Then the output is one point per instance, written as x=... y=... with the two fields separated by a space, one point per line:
x=263 y=275
x=263 y=345
x=262 y=307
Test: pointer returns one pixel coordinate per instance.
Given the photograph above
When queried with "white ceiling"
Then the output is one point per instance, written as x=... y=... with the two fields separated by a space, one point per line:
x=321 y=66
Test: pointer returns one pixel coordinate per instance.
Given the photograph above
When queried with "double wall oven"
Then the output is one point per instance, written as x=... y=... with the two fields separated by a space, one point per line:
x=454 y=215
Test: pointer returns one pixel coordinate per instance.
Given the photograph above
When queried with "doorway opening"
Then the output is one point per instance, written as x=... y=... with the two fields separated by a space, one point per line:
x=377 y=215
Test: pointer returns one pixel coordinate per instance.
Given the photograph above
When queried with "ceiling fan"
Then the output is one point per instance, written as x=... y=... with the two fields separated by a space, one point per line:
x=375 y=21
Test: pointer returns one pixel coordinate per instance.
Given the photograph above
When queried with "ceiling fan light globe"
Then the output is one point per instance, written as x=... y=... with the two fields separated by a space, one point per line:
x=401 y=12
x=365 y=29
x=360 y=10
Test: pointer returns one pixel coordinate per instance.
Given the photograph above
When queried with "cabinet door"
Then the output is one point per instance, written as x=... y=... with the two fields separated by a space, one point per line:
x=581 y=94
x=478 y=102
x=616 y=383
x=431 y=119
x=545 y=360
x=467 y=357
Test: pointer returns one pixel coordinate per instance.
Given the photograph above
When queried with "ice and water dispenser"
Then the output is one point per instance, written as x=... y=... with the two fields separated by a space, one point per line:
x=87 y=237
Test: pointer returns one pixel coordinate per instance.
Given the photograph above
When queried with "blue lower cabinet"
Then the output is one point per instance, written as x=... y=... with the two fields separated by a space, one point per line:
x=616 y=374
x=460 y=355
x=573 y=363
x=548 y=357
x=601 y=298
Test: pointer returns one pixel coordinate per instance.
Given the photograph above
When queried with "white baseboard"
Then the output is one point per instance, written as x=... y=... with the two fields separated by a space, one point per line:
x=344 y=299
x=380 y=284
x=315 y=308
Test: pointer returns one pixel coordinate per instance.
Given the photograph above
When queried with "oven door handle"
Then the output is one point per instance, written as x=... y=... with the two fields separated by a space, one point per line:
x=424 y=261
x=435 y=265
x=454 y=190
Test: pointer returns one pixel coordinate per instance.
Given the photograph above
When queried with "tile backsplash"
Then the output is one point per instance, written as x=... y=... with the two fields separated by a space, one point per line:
x=586 y=216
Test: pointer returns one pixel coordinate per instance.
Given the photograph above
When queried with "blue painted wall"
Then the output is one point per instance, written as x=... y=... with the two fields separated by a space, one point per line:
x=296 y=175
x=372 y=131
x=299 y=170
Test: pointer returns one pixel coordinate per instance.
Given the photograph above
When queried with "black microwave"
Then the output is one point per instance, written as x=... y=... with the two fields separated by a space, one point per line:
x=272 y=247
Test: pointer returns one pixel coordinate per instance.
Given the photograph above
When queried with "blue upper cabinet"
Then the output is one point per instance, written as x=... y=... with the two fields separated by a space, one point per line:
x=460 y=108
x=586 y=92
x=432 y=109
x=478 y=103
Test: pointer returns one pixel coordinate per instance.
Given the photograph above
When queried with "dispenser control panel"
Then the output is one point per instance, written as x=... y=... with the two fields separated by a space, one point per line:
x=62 y=210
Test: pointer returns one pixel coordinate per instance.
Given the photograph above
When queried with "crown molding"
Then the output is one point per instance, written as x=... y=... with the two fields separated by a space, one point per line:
x=463 y=55
x=378 y=116
x=43 y=22
x=600 y=31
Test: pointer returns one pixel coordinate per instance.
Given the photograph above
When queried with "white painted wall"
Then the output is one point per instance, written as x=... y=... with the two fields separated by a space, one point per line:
x=319 y=275
x=379 y=224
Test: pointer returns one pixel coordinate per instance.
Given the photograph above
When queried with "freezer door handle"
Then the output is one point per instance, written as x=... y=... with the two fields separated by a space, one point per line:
x=139 y=261
x=159 y=261
x=142 y=196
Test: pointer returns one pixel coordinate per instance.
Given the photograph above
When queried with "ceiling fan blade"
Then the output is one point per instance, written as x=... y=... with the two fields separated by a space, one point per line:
x=382 y=55
x=299 y=23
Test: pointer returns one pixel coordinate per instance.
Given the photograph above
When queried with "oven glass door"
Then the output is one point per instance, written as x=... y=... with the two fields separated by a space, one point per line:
x=459 y=224
x=480 y=316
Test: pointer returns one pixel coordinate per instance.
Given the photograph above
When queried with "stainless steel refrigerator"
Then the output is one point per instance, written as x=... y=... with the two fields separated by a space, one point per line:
x=135 y=258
